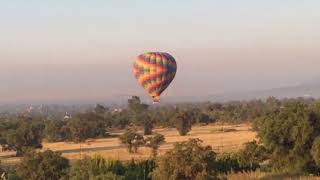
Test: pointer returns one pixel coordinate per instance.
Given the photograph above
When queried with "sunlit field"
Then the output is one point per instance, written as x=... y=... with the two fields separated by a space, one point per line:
x=222 y=138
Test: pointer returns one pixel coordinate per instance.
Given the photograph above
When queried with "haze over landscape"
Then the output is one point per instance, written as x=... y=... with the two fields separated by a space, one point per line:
x=55 y=51
x=157 y=90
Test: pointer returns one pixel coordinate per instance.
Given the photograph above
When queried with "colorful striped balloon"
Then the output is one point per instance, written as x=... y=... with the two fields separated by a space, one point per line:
x=155 y=71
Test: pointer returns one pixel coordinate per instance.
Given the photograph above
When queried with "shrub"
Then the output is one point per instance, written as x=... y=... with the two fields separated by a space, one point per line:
x=132 y=140
x=96 y=168
x=42 y=166
x=183 y=123
x=187 y=160
x=154 y=143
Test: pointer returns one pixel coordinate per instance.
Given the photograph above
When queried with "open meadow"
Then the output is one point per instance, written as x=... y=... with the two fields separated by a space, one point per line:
x=222 y=138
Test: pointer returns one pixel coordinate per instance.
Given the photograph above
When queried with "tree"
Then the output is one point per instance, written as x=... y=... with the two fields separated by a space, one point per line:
x=87 y=125
x=100 y=109
x=147 y=125
x=97 y=168
x=2 y=172
x=251 y=156
x=183 y=123
x=120 y=119
x=104 y=115
x=42 y=166
x=315 y=151
x=140 y=114
x=22 y=136
x=188 y=161
x=205 y=119
x=135 y=104
x=154 y=143
x=132 y=139
x=139 y=169
x=55 y=131
x=245 y=160
x=289 y=133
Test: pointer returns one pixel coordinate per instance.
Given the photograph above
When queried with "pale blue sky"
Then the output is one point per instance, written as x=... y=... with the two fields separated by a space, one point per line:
x=76 y=49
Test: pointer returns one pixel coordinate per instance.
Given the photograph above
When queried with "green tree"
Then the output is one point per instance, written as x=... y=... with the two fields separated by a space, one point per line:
x=245 y=160
x=188 y=161
x=120 y=119
x=139 y=170
x=204 y=119
x=1 y=170
x=140 y=114
x=22 y=136
x=104 y=115
x=154 y=143
x=100 y=109
x=315 y=151
x=87 y=125
x=289 y=134
x=147 y=126
x=132 y=139
x=55 y=131
x=96 y=168
x=42 y=166
x=251 y=156
x=183 y=123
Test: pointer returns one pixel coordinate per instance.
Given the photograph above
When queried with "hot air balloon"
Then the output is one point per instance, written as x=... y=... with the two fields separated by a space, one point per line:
x=155 y=71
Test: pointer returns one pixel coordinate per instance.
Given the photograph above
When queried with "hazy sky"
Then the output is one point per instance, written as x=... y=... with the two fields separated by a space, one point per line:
x=76 y=49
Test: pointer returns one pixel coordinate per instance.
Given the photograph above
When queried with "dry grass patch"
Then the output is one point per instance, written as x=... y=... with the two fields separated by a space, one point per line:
x=111 y=148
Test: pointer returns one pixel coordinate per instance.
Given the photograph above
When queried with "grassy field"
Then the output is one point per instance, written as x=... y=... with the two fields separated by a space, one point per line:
x=222 y=138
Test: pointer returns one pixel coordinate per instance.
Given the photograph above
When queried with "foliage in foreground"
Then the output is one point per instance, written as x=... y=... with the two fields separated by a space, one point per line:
x=268 y=176
x=291 y=135
x=1 y=170
x=42 y=166
x=99 y=168
x=245 y=160
x=187 y=160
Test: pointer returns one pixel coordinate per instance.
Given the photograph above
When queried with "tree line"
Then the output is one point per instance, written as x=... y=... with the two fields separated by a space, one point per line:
x=190 y=160
x=21 y=133
x=288 y=134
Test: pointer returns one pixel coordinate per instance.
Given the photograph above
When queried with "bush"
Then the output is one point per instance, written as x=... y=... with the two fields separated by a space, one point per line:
x=290 y=134
x=87 y=125
x=132 y=140
x=22 y=136
x=228 y=163
x=1 y=170
x=154 y=143
x=245 y=160
x=183 y=123
x=96 y=168
x=42 y=166
x=139 y=170
x=55 y=130
x=315 y=151
x=147 y=127
x=187 y=160
x=99 y=168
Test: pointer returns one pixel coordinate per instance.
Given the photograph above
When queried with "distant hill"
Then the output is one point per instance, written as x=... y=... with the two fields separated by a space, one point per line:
x=303 y=90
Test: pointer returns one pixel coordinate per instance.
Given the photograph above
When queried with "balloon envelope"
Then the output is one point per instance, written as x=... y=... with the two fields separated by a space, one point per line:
x=155 y=71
